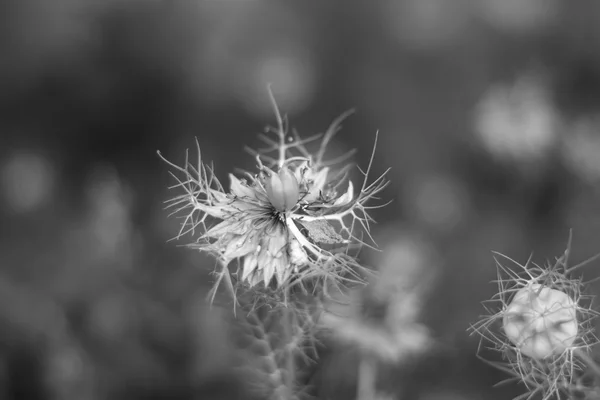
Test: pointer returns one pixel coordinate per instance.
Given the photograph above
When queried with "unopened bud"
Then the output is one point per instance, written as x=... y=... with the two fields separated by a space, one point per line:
x=541 y=321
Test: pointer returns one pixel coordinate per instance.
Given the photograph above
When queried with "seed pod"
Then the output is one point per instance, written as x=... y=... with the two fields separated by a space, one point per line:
x=540 y=321
x=282 y=189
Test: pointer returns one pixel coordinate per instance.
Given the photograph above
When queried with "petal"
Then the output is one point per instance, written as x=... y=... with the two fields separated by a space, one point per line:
x=346 y=197
x=254 y=279
x=240 y=189
x=282 y=269
x=276 y=244
x=300 y=171
x=213 y=211
x=229 y=225
x=260 y=193
x=239 y=246
x=316 y=184
x=264 y=258
x=269 y=270
x=250 y=262
x=243 y=205
x=219 y=196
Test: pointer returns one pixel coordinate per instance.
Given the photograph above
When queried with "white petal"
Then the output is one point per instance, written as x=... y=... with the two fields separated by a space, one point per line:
x=250 y=262
x=277 y=243
x=346 y=197
x=254 y=279
x=213 y=211
x=282 y=269
x=224 y=227
x=269 y=270
x=319 y=179
x=240 y=189
x=299 y=171
x=219 y=196
x=239 y=246
x=263 y=259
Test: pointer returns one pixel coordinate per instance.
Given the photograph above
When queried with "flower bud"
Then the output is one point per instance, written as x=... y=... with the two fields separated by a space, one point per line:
x=541 y=321
x=282 y=189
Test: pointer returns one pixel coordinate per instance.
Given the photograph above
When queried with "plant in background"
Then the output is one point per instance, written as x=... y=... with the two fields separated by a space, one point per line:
x=381 y=321
x=541 y=323
x=282 y=235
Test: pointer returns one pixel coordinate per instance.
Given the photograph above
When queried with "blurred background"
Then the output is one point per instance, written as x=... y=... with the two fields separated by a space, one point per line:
x=487 y=112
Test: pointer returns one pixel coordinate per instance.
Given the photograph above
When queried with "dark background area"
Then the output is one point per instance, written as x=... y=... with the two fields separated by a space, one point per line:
x=487 y=112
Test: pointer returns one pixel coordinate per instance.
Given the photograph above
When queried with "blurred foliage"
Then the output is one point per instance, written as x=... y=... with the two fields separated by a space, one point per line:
x=487 y=112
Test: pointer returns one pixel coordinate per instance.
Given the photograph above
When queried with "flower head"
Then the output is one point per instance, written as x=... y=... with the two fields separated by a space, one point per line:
x=296 y=217
x=518 y=123
x=382 y=320
x=540 y=321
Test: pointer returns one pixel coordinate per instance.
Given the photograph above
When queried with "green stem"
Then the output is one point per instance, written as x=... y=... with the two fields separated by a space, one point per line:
x=288 y=323
x=367 y=376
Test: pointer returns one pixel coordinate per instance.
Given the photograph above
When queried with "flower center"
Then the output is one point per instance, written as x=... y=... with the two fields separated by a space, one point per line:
x=282 y=189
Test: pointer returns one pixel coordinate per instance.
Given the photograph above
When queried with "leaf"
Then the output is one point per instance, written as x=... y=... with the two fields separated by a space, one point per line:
x=321 y=231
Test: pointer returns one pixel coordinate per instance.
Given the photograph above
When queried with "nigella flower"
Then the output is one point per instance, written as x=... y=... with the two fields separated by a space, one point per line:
x=293 y=219
x=540 y=321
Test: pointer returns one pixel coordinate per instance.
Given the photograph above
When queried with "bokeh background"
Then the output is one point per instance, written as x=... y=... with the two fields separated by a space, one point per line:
x=487 y=112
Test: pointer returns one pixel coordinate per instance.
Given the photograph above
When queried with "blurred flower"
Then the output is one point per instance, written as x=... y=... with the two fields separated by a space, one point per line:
x=382 y=320
x=288 y=222
x=581 y=147
x=28 y=181
x=408 y=264
x=110 y=222
x=437 y=201
x=517 y=123
x=69 y=372
x=382 y=337
x=541 y=323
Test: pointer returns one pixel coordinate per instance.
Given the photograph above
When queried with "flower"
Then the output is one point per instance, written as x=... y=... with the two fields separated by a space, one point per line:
x=541 y=323
x=382 y=320
x=518 y=123
x=283 y=224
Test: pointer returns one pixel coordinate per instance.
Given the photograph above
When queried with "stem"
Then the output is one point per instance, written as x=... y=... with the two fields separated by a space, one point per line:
x=590 y=362
x=288 y=323
x=367 y=375
x=280 y=129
